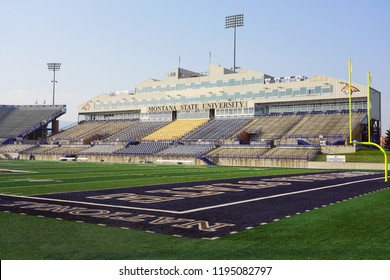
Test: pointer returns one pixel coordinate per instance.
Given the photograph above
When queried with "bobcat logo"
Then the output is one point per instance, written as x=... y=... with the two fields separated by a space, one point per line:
x=86 y=107
x=345 y=89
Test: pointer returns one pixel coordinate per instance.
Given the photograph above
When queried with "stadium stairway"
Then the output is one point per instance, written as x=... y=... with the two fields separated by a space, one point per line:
x=206 y=160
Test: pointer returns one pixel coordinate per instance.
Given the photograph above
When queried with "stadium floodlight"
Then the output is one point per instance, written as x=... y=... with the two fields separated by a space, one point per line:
x=234 y=22
x=54 y=66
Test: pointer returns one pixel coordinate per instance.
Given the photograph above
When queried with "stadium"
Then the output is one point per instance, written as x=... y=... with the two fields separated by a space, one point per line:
x=200 y=165
x=218 y=117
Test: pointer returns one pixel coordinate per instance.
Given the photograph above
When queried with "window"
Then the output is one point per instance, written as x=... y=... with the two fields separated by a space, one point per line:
x=326 y=89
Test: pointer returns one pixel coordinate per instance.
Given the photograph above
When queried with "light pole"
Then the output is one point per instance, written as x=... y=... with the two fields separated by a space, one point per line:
x=234 y=22
x=53 y=66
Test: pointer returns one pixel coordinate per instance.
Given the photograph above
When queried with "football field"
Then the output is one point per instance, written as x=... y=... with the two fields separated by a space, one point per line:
x=78 y=210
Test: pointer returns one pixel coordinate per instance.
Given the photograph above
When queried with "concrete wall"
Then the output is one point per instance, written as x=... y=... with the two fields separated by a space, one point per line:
x=243 y=162
x=329 y=150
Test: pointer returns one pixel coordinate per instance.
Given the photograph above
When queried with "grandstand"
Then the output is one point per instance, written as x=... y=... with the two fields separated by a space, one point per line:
x=175 y=130
x=102 y=149
x=218 y=117
x=146 y=148
x=186 y=150
x=27 y=122
x=231 y=151
x=87 y=132
x=216 y=129
x=137 y=131
x=270 y=127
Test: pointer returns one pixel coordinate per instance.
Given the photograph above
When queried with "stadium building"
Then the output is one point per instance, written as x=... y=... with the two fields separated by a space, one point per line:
x=219 y=117
x=221 y=93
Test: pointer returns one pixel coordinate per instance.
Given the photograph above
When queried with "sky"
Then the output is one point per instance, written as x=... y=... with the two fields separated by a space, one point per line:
x=112 y=45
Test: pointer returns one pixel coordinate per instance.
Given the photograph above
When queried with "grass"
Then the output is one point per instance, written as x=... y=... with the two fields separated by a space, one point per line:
x=355 y=229
x=368 y=156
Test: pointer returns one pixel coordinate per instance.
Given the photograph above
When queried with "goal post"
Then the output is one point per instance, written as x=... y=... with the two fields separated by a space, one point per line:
x=369 y=143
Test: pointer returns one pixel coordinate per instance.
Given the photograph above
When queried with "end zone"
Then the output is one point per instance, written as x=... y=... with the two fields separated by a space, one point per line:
x=207 y=209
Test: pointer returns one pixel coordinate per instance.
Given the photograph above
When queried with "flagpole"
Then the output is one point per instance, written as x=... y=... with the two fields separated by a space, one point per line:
x=350 y=99
x=369 y=107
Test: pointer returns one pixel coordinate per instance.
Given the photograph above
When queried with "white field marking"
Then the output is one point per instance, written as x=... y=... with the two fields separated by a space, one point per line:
x=14 y=171
x=196 y=209
x=211 y=238
x=278 y=195
x=92 y=204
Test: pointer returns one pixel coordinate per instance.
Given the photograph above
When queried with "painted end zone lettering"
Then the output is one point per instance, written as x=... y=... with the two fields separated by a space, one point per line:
x=132 y=197
x=206 y=209
x=126 y=219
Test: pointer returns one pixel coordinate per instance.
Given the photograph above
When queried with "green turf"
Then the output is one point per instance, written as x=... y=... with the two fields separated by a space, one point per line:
x=51 y=177
x=355 y=229
x=368 y=156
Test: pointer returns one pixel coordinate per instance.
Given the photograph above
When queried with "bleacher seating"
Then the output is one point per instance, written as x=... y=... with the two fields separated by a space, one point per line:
x=217 y=129
x=87 y=132
x=316 y=127
x=137 y=131
x=271 y=127
x=145 y=148
x=21 y=120
x=101 y=149
x=39 y=149
x=296 y=137
x=68 y=149
x=186 y=150
x=17 y=148
x=238 y=151
x=291 y=153
x=175 y=130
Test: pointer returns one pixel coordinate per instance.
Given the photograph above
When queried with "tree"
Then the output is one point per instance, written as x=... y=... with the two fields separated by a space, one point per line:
x=387 y=140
